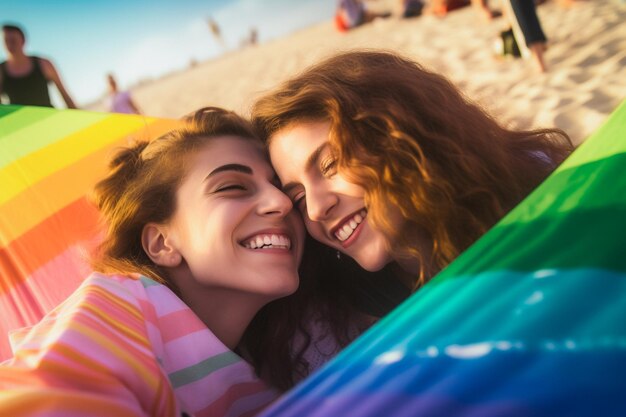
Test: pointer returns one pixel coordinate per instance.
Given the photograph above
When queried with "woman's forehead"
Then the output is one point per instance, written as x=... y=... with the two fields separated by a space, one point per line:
x=232 y=149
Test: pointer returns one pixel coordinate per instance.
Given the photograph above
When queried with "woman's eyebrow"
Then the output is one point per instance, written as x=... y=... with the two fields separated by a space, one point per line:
x=311 y=161
x=231 y=167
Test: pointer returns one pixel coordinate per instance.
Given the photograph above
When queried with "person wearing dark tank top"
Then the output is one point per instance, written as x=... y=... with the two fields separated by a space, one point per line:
x=29 y=89
x=24 y=79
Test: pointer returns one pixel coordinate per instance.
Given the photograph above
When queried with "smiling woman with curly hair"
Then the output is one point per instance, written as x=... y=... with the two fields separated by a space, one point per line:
x=391 y=165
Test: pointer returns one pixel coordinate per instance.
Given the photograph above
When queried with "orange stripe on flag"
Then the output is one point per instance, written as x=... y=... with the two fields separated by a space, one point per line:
x=37 y=203
x=74 y=223
x=41 y=200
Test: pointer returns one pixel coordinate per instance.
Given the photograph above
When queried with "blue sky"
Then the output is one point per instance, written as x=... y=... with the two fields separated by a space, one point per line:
x=143 y=39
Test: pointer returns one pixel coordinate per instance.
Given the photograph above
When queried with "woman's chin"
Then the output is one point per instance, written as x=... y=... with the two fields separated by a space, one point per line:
x=373 y=264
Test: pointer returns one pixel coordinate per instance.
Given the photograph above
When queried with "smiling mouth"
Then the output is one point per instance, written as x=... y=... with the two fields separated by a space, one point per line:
x=267 y=241
x=347 y=228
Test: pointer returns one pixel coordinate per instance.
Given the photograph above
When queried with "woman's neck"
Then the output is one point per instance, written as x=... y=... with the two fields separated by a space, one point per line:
x=18 y=58
x=226 y=313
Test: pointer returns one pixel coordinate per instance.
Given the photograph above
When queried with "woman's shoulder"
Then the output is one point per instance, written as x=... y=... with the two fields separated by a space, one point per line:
x=113 y=283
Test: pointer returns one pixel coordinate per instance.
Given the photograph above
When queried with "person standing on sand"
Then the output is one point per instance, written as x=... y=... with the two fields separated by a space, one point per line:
x=120 y=101
x=352 y=13
x=24 y=79
x=524 y=21
x=484 y=10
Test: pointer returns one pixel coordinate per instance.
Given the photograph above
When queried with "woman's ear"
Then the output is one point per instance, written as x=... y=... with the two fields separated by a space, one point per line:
x=158 y=246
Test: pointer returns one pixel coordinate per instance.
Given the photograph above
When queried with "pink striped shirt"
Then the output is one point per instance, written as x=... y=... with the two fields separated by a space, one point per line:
x=120 y=346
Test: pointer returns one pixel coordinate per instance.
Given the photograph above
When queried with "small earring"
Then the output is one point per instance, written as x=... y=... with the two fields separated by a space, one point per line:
x=338 y=255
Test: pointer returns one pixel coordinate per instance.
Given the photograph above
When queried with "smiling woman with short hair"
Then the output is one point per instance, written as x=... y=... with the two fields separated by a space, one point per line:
x=198 y=237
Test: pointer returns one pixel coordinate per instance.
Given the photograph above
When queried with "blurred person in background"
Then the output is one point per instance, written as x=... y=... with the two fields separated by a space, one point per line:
x=120 y=101
x=24 y=79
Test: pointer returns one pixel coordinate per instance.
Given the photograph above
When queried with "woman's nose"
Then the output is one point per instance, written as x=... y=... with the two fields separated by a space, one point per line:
x=320 y=203
x=274 y=201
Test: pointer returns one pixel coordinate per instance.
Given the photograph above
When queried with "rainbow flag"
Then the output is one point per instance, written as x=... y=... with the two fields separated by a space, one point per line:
x=530 y=321
x=49 y=160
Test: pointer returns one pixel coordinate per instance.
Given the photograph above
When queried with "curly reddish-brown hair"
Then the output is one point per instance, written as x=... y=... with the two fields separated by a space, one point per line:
x=413 y=141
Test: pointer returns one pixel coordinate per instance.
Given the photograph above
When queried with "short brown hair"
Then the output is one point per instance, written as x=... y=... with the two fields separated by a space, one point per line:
x=141 y=188
x=15 y=28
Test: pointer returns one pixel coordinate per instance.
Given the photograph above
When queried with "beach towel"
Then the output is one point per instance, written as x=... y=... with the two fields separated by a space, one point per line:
x=122 y=346
x=529 y=321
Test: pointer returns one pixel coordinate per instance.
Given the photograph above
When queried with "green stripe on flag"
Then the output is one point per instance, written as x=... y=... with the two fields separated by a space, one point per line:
x=8 y=109
x=32 y=129
x=575 y=219
x=583 y=239
x=22 y=117
x=596 y=184
x=612 y=135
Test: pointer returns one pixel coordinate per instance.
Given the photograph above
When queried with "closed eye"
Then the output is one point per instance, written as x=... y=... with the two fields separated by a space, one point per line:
x=329 y=167
x=231 y=187
x=299 y=201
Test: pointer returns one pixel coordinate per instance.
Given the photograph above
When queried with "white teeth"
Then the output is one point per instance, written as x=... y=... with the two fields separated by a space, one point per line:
x=268 y=242
x=347 y=229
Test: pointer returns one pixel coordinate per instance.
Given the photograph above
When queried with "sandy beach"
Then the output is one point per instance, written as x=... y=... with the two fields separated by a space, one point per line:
x=586 y=61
